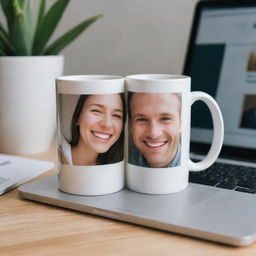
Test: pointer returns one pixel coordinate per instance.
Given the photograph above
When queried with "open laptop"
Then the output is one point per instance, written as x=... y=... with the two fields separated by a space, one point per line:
x=222 y=61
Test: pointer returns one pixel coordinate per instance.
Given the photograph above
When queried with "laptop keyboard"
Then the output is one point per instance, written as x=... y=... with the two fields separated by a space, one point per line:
x=234 y=177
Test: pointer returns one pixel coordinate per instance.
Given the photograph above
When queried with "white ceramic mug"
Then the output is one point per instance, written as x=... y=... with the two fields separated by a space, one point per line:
x=91 y=116
x=159 y=112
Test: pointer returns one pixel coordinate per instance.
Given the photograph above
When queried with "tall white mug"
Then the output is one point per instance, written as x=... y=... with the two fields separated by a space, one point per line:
x=159 y=112
x=91 y=116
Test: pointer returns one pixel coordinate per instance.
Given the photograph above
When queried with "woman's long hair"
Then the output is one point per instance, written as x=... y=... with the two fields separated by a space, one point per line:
x=115 y=153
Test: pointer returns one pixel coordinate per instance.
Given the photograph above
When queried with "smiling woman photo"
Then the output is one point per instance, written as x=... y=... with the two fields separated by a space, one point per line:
x=97 y=131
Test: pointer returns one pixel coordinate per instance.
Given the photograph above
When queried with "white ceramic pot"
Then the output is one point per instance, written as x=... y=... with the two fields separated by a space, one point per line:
x=28 y=103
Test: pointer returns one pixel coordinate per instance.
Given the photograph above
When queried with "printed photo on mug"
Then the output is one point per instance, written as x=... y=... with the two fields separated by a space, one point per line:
x=154 y=129
x=91 y=116
x=91 y=129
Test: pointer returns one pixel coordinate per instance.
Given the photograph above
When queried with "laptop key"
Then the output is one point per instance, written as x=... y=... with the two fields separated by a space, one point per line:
x=227 y=185
x=246 y=190
x=247 y=184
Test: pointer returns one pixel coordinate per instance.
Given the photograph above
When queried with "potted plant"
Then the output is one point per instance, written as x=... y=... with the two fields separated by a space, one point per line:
x=28 y=68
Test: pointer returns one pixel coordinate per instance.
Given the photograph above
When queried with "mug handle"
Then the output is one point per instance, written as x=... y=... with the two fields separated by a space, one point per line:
x=218 y=131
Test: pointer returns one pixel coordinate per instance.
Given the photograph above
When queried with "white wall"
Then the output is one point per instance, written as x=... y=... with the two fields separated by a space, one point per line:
x=135 y=36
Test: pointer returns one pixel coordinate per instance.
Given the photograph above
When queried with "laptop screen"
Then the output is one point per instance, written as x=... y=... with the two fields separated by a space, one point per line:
x=221 y=61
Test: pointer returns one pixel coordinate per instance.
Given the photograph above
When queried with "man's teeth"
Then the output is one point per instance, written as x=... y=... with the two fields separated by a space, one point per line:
x=102 y=136
x=155 y=145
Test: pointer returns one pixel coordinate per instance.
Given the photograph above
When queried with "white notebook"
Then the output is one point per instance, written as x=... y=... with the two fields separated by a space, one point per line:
x=17 y=170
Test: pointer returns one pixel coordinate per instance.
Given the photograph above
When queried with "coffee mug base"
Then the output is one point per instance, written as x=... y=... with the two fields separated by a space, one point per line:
x=92 y=180
x=141 y=191
x=156 y=181
x=91 y=195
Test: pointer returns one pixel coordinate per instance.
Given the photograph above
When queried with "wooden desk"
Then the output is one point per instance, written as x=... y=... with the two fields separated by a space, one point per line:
x=30 y=228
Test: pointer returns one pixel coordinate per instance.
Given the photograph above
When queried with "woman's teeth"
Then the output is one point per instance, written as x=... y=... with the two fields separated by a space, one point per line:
x=102 y=136
x=155 y=145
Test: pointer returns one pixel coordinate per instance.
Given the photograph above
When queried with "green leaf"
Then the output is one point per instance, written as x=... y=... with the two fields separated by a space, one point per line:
x=8 y=47
x=2 y=46
x=17 y=6
x=2 y=53
x=48 y=25
x=21 y=30
x=20 y=27
x=12 y=8
x=40 y=16
x=6 y=6
x=8 y=11
x=3 y=30
x=68 y=37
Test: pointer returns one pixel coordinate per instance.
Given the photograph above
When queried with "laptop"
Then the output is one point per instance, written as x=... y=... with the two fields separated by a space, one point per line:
x=220 y=203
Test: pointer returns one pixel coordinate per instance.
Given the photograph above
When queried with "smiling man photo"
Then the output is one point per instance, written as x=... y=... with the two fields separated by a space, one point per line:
x=155 y=123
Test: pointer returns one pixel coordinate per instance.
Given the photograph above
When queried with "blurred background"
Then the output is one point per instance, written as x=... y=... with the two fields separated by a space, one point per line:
x=134 y=36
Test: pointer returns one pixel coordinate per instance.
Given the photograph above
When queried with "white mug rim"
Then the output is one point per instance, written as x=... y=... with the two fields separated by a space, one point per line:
x=157 y=77
x=90 y=84
x=85 y=78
